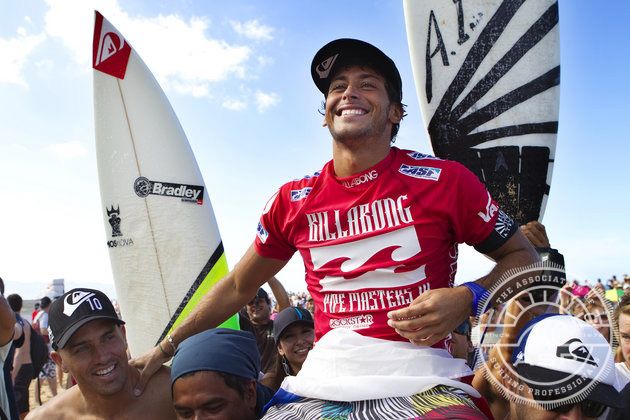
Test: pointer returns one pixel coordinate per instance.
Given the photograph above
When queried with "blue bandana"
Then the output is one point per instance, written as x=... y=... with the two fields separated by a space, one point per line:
x=220 y=350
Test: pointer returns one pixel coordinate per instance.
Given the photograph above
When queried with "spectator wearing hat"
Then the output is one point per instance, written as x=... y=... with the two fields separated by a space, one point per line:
x=258 y=321
x=294 y=333
x=560 y=366
x=89 y=343
x=215 y=373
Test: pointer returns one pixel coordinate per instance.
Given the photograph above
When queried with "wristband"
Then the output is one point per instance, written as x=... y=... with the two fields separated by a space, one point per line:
x=480 y=294
x=163 y=351
x=171 y=342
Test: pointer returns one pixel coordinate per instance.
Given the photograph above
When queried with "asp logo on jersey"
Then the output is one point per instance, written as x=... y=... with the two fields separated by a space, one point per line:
x=423 y=172
x=191 y=193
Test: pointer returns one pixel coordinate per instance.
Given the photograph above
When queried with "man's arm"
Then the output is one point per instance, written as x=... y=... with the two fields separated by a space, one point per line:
x=222 y=301
x=281 y=295
x=435 y=313
x=7 y=322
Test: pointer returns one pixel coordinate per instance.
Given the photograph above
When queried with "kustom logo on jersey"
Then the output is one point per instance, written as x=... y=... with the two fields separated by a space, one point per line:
x=361 y=179
x=297 y=195
x=110 y=52
x=422 y=172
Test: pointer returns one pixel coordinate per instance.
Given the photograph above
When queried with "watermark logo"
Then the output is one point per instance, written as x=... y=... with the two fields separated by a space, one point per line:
x=538 y=366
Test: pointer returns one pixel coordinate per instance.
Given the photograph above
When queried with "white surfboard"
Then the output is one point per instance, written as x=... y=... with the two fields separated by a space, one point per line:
x=487 y=76
x=164 y=243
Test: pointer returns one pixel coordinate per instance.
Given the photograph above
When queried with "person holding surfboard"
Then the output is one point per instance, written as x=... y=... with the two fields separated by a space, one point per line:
x=89 y=343
x=377 y=227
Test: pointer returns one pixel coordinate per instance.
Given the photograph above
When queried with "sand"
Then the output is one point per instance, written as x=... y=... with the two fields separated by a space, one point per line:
x=45 y=393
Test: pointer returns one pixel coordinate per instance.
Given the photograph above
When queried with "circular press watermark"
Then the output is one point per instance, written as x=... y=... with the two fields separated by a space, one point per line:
x=535 y=358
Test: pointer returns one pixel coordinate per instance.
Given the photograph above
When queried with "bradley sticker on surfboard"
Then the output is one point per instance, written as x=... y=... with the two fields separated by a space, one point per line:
x=163 y=240
x=487 y=76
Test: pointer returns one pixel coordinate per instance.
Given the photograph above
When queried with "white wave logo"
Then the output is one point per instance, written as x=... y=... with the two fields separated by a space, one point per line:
x=74 y=300
x=405 y=245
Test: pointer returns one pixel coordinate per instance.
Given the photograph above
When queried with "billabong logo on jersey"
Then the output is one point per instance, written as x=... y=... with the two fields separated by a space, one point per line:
x=191 y=193
x=297 y=195
x=361 y=179
x=74 y=300
x=422 y=172
x=323 y=69
x=262 y=233
x=110 y=53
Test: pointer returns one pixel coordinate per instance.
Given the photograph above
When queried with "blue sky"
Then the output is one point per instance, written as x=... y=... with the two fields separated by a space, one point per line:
x=237 y=75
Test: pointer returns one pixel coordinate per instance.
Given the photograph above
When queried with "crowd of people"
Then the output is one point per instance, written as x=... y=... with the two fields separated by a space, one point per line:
x=209 y=358
x=384 y=332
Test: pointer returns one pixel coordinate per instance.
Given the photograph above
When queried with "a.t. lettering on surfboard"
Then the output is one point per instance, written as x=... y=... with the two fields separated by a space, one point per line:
x=487 y=74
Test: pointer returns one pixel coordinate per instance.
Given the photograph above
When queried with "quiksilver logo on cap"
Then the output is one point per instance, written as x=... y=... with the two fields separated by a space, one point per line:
x=574 y=349
x=323 y=69
x=74 y=300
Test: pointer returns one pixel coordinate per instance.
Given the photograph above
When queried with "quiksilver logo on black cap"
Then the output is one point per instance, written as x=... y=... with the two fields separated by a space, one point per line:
x=323 y=69
x=75 y=299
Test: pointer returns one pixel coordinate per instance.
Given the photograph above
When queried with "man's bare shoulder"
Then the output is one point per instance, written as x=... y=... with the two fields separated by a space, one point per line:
x=156 y=401
x=66 y=405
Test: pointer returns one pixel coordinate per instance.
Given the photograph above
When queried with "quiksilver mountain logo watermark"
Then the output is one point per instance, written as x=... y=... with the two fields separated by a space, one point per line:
x=191 y=193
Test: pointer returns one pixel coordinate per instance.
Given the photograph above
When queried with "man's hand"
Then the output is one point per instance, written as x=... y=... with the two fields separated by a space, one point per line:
x=432 y=315
x=148 y=363
x=536 y=234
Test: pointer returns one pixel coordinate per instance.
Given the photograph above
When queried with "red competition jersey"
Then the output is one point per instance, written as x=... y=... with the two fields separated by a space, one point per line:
x=373 y=242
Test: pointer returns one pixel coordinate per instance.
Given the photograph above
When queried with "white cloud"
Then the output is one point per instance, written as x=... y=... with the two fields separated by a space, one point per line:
x=68 y=150
x=179 y=52
x=234 y=104
x=265 y=100
x=253 y=30
x=14 y=53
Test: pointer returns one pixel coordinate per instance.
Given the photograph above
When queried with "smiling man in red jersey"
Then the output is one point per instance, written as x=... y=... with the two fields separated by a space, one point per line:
x=377 y=228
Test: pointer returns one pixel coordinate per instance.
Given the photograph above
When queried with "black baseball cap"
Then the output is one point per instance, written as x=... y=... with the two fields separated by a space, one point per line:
x=288 y=317
x=75 y=309
x=261 y=294
x=342 y=52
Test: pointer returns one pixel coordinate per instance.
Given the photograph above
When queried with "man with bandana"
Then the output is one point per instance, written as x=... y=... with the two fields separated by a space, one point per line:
x=216 y=372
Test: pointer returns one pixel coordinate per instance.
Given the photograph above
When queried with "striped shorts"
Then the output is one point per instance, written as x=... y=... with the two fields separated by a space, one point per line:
x=440 y=402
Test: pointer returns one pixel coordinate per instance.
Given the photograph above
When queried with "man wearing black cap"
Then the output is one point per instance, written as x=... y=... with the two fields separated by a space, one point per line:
x=216 y=372
x=377 y=227
x=89 y=343
x=260 y=324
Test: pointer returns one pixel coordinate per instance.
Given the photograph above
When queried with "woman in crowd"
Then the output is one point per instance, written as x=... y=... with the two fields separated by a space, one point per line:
x=294 y=332
x=622 y=321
